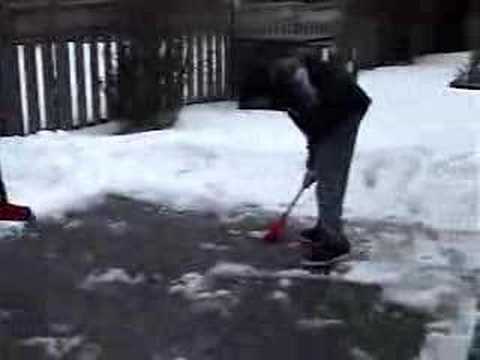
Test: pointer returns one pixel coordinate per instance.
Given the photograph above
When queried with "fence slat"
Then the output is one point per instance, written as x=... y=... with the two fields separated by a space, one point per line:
x=102 y=50
x=32 y=88
x=165 y=99
x=195 y=66
x=185 y=68
x=200 y=66
x=191 y=64
x=171 y=78
x=95 y=81
x=211 y=66
x=64 y=98
x=205 y=65
x=80 y=73
x=123 y=51
x=108 y=72
x=50 y=87
x=218 y=65
x=10 y=105
x=229 y=66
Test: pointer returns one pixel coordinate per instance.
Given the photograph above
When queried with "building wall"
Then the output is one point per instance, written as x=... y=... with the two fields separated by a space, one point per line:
x=392 y=31
x=473 y=25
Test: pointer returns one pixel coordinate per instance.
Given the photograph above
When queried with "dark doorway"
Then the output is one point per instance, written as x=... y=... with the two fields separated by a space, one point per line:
x=450 y=27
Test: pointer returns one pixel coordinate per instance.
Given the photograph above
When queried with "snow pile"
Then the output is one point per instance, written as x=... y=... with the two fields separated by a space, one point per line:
x=199 y=290
x=280 y=296
x=418 y=155
x=229 y=269
x=318 y=323
x=55 y=347
x=191 y=285
x=113 y=275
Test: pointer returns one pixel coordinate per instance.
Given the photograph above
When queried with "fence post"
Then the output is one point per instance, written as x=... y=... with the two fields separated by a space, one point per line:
x=166 y=96
x=192 y=66
x=95 y=80
x=80 y=73
x=49 y=81
x=196 y=66
x=203 y=49
x=218 y=65
x=10 y=100
x=230 y=44
x=64 y=100
x=211 y=64
x=108 y=72
x=32 y=88
x=10 y=104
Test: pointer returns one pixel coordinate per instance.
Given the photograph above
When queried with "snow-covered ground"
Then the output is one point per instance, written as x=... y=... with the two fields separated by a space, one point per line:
x=417 y=161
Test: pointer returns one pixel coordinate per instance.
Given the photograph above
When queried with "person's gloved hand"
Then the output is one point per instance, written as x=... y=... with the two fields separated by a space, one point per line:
x=309 y=179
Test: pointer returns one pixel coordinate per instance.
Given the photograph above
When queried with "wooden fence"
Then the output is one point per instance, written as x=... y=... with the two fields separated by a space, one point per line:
x=57 y=57
x=64 y=84
x=207 y=59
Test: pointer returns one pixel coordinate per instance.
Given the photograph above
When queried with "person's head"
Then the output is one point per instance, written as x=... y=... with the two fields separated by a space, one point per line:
x=291 y=82
x=280 y=84
x=283 y=71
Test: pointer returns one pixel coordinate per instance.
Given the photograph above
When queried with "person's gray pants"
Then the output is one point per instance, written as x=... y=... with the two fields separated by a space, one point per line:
x=332 y=159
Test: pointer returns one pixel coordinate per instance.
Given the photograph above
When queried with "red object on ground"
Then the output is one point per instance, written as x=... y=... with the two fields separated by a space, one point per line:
x=277 y=228
x=12 y=212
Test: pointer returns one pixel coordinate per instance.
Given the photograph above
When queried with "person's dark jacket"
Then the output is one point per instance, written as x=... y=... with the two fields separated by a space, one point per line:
x=338 y=98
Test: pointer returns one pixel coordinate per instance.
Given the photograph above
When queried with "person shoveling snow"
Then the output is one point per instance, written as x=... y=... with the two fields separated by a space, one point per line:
x=327 y=105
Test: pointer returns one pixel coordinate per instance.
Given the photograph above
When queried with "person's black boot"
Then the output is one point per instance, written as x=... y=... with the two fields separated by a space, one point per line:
x=322 y=247
x=322 y=234
x=318 y=254
x=315 y=234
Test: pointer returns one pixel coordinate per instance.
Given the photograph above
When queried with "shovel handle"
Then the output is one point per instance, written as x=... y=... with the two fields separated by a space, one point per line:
x=294 y=201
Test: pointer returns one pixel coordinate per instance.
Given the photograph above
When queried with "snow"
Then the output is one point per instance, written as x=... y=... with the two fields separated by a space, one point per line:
x=213 y=247
x=280 y=296
x=112 y=275
x=233 y=269
x=190 y=285
x=359 y=354
x=199 y=290
x=452 y=341
x=419 y=146
x=55 y=347
x=318 y=323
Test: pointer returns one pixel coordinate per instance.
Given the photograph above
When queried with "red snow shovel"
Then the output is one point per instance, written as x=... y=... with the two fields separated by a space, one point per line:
x=277 y=228
x=12 y=212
